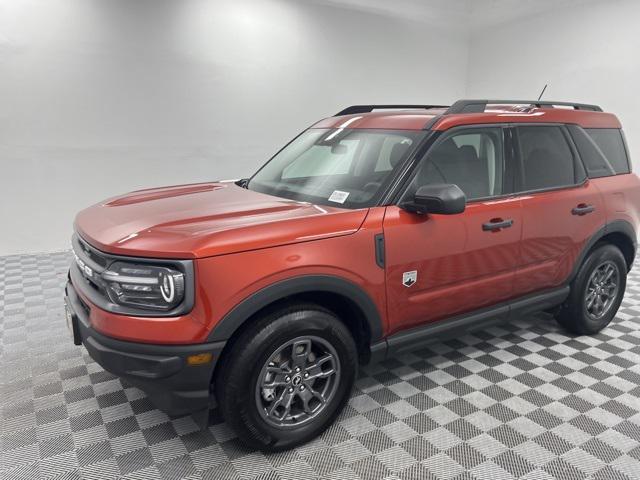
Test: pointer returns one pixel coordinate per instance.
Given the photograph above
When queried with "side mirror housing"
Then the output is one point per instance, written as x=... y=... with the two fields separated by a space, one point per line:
x=445 y=199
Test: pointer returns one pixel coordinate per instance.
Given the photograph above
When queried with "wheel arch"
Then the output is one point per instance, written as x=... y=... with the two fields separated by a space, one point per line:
x=619 y=233
x=347 y=300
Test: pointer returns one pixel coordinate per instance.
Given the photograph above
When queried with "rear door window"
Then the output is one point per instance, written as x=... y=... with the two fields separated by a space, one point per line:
x=611 y=144
x=547 y=160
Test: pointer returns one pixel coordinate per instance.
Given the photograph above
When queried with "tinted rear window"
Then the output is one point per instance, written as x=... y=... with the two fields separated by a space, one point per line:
x=611 y=144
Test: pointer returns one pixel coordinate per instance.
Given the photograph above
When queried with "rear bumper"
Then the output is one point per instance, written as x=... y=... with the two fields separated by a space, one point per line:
x=160 y=370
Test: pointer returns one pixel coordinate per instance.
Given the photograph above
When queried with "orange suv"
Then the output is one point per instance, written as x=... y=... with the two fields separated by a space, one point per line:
x=378 y=230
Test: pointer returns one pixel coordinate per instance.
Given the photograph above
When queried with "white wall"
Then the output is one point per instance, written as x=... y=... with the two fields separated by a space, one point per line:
x=586 y=53
x=99 y=97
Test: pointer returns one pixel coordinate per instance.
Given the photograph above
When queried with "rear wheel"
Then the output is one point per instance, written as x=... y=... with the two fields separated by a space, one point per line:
x=287 y=377
x=596 y=292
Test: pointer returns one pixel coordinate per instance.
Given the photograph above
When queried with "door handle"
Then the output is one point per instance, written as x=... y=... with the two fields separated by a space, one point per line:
x=582 y=209
x=496 y=224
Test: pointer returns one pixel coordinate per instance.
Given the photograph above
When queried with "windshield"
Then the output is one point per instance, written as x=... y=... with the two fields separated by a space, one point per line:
x=339 y=167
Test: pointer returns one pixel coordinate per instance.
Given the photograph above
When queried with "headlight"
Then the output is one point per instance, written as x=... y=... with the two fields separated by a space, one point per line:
x=144 y=286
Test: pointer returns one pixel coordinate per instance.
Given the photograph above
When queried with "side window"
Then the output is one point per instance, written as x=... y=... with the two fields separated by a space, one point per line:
x=611 y=144
x=472 y=159
x=547 y=159
x=594 y=160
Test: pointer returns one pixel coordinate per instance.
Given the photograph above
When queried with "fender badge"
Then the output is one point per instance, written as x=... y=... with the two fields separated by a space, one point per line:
x=409 y=278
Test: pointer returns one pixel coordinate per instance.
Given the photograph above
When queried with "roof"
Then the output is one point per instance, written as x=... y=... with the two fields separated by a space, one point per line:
x=473 y=112
x=394 y=120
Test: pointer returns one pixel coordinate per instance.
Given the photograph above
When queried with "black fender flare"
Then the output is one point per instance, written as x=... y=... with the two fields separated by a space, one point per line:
x=239 y=314
x=617 y=226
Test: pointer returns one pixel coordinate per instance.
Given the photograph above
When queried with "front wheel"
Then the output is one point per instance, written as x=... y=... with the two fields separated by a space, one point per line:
x=596 y=292
x=287 y=377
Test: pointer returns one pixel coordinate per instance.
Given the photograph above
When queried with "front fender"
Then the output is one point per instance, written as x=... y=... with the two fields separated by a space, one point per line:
x=226 y=327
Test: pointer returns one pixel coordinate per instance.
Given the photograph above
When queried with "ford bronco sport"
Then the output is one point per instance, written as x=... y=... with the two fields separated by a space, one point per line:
x=378 y=230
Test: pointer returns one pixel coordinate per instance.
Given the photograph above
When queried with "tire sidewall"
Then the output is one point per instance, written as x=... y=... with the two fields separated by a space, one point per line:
x=599 y=256
x=245 y=369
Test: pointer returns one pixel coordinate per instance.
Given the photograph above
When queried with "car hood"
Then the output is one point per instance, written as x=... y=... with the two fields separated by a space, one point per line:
x=206 y=219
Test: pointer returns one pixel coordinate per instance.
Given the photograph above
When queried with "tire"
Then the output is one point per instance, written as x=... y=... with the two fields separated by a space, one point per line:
x=576 y=315
x=263 y=356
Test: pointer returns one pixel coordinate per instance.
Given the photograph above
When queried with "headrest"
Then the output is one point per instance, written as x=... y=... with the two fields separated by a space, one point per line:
x=447 y=148
x=467 y=153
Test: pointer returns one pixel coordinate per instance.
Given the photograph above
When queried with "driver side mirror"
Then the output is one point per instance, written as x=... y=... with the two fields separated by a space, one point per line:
x=445 y=199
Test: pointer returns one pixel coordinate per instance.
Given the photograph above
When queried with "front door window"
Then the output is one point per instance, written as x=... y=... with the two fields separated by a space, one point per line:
x=472 y=159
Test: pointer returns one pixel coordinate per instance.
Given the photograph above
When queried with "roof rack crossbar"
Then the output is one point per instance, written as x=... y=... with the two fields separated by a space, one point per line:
x=479 y=106
x=353 y=109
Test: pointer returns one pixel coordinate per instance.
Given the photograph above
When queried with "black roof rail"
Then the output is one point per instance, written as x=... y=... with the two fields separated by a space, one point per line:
x=369 y=108
x=478 y=106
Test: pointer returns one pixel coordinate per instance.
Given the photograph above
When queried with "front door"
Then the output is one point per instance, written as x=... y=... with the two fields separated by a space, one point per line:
x=438 y=266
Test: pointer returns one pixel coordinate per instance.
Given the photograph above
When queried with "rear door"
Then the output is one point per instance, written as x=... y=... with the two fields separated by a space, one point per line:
x=438 y=266
x=561 y=208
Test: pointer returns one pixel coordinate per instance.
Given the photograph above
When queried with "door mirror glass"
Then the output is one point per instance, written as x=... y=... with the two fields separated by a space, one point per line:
x=445 y=199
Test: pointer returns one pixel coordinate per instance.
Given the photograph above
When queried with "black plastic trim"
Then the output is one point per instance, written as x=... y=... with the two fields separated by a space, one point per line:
x=537 y=302
x=617 y=226
x=354 y=109
x=492 y=226
x=379 y=246
x=436 y=331
x=102 y=301
x=378 y=351
x=77 y=305
x=478 y=106
x=626 y=150
x=298 y=285
x=583 y=210
x=468 y=322
x=159 y=370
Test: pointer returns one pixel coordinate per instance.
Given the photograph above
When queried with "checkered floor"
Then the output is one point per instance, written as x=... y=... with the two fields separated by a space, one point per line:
x=520 y=401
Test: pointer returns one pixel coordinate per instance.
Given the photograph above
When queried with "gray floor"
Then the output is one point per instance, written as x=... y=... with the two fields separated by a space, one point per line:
x=520 y=401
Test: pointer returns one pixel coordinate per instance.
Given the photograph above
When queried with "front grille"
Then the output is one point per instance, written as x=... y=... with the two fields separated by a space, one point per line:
x=91 y=253
x=90 y=264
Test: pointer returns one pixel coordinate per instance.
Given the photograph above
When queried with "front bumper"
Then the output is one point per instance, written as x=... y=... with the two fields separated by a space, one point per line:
x=161 y=371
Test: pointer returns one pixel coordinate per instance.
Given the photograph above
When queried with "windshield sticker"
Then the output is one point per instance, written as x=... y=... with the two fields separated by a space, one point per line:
x=338 y=196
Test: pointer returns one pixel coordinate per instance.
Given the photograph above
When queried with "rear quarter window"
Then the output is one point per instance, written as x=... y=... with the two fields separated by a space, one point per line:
x=594 y=160
x=611 y=144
